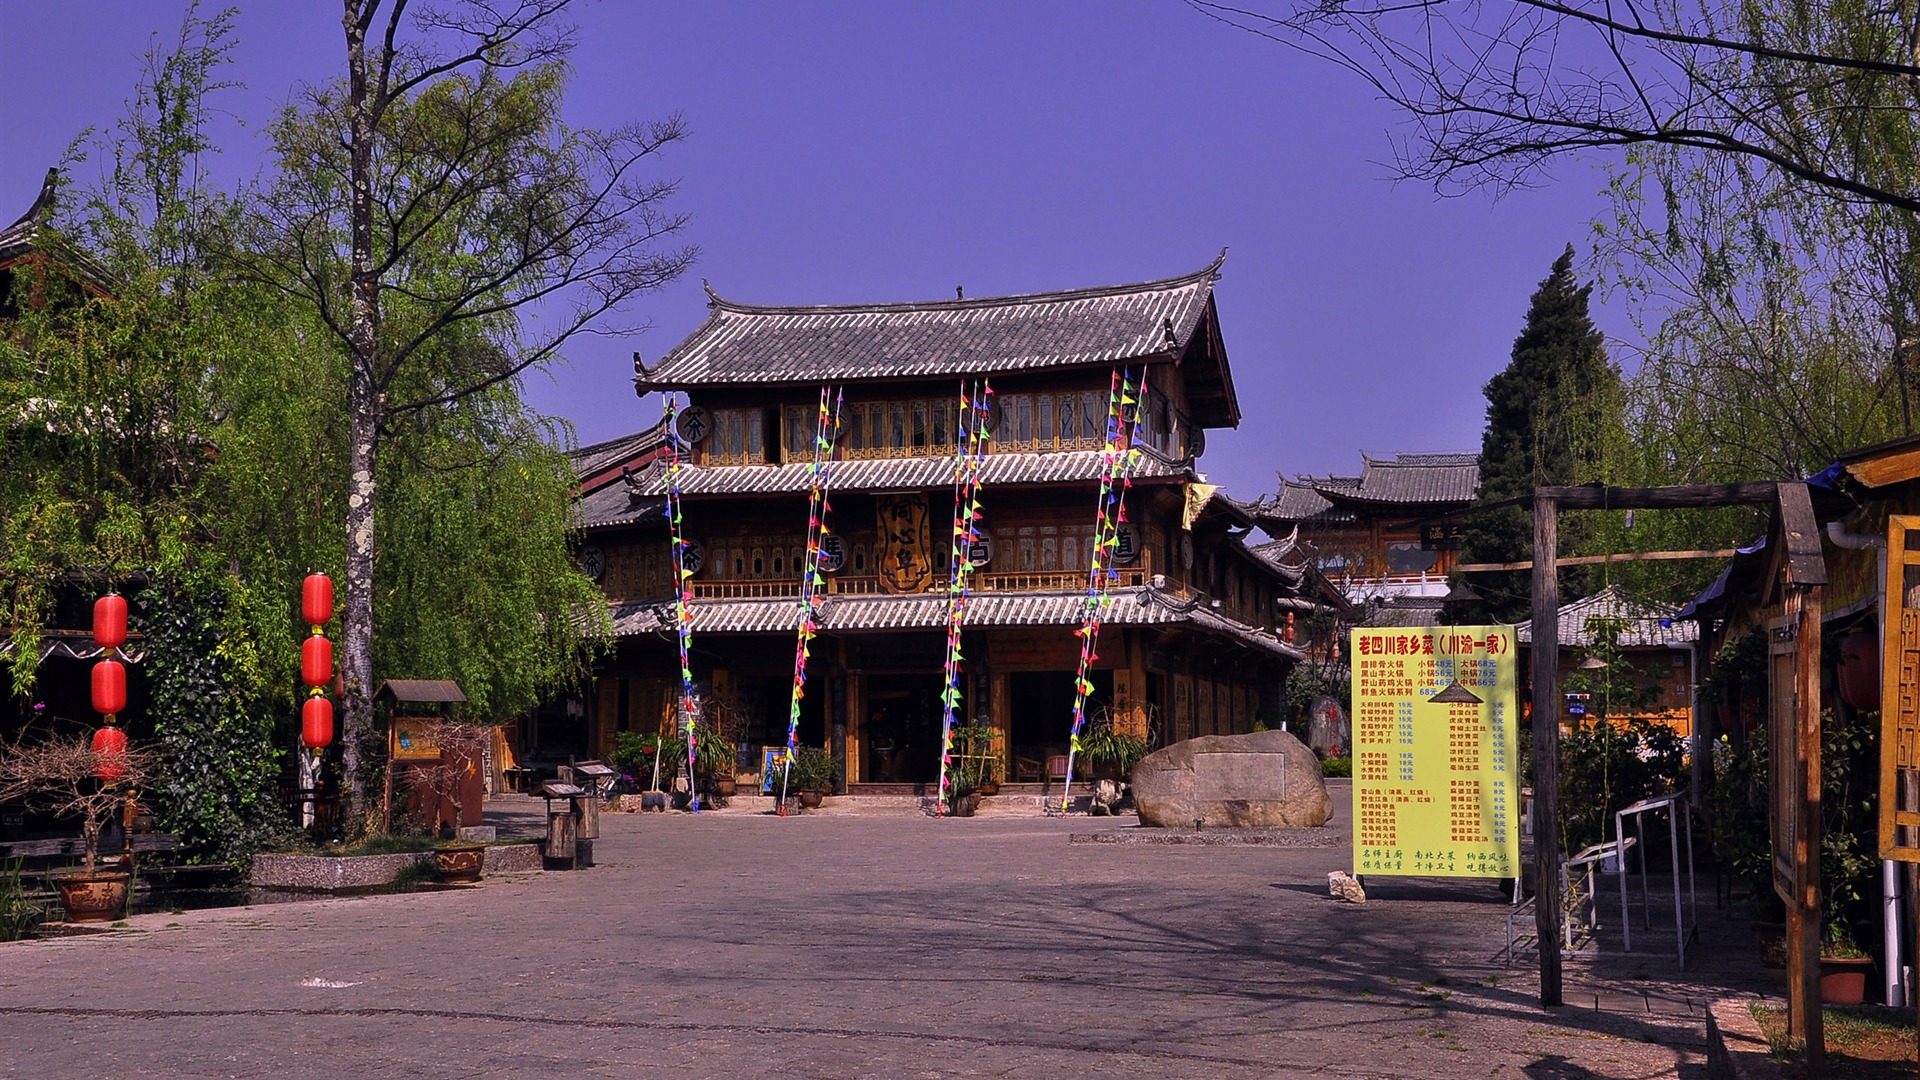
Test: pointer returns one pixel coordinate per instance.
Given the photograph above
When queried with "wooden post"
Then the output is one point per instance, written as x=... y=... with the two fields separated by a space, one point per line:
x=1805 y=981
x=1546 y=744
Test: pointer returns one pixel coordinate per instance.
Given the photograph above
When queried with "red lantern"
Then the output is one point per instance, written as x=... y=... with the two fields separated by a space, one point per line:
x=316 y=723
x=108 y=744
x=316 y=661
x=110 y=621
x=316 y=599
x=109 y=687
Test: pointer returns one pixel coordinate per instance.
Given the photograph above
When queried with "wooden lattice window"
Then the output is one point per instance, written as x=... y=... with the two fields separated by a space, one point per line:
x=1900 y=694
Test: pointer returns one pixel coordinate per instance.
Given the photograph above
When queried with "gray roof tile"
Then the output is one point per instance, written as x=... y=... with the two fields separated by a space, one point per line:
x=928 y=611
x=894 y=473
x=1640 y=621
x=743 y=344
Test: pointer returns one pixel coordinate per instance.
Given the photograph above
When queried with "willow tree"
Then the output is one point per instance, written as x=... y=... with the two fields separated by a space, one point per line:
x=426 y=204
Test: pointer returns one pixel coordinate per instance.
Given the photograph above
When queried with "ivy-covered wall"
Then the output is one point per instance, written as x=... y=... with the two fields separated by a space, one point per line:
x=217 y=787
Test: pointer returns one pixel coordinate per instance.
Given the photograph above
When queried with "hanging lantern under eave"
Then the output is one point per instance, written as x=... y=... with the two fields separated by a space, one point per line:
x=110 y=621
x=316 y=599
x=316 y=661
x=316 y=723
x=109 y=687
x=109 y=748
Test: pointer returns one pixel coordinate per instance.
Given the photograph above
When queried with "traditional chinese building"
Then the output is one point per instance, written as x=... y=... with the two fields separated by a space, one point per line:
x=1383 y=533
x=1189 y=646
x=1649 y=671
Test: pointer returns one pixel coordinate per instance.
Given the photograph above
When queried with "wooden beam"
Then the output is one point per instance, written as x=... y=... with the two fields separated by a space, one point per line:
x=1801 y=532
x=1546 y=744
x=1600 y=497
x=1596 y=560
x=1891 y=469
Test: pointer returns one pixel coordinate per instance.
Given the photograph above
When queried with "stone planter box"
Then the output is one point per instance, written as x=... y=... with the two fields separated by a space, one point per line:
x=324 y=873
x=513 y=858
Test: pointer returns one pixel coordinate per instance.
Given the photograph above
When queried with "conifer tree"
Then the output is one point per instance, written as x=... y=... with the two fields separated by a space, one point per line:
x=1546 y=413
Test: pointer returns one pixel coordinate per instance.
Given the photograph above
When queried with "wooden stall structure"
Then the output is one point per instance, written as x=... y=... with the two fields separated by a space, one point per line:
x=1796 y=574
x=404 y=700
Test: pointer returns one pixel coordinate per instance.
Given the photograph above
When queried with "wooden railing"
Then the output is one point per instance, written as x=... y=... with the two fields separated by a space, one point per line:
x=745 y=590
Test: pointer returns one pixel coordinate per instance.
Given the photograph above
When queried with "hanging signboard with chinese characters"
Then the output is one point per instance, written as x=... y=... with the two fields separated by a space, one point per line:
x=1435 y=751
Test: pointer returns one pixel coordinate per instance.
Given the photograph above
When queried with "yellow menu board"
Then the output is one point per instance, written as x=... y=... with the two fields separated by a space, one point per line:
x=1435 y=782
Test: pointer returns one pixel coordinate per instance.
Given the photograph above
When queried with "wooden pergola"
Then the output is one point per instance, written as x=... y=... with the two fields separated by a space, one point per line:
x=1796 y=573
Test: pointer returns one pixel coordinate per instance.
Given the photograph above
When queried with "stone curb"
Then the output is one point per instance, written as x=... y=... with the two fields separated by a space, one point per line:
x=1736 y=1050
x=1298 y=838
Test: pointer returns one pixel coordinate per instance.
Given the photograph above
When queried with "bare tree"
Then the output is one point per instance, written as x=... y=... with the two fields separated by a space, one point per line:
x=1496 y=89
x=68 y=776
x=424 y=204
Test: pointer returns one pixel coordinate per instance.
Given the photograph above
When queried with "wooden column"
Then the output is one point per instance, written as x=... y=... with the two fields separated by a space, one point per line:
x=1546 y=743
x=1804 y=1018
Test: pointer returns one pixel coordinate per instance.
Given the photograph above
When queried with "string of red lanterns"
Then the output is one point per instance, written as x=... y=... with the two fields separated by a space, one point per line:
x=109 y=686
x=316 y=663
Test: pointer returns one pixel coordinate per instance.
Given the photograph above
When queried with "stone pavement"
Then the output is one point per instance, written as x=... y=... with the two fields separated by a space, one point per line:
x=734 y=943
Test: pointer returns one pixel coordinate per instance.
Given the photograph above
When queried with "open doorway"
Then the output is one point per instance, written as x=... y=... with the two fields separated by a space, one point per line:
x=902 y=729
x=1040 y=723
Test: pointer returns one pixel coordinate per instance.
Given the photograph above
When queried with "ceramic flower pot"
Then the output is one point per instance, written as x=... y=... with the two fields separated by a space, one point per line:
x=99 y=896
x=1843 y=980
x=460 y=862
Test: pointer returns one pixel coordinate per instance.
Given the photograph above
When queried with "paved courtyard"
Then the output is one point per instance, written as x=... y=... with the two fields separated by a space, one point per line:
x=858 y=945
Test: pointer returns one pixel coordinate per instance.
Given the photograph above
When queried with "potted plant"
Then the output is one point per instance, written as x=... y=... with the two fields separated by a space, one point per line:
x=812 y=775
x=963 y=785
x=973 y=743
x=1110 y=752
x=68 y=776
x=462 y=747
x=713 y=759
x=1849 y=868
x=1844 y=967
x=644 y=756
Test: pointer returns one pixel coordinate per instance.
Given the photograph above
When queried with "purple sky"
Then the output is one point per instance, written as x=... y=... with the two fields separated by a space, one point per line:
x=866 y=152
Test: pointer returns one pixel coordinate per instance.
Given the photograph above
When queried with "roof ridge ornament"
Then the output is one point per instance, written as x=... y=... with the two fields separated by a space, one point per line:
x=42 y=203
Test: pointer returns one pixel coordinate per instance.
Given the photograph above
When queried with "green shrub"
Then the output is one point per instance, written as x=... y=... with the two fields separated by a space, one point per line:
x=1337 y=767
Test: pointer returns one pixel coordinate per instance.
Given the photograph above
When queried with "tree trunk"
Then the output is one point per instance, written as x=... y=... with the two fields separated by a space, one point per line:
x=363 y=421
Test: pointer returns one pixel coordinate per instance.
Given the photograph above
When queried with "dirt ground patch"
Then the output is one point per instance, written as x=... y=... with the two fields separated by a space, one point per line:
x=1868 y=1042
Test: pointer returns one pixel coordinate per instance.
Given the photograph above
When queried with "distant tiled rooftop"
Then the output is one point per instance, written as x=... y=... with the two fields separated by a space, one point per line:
x=1642 y=623
x=589 y=460
x=1450 y=478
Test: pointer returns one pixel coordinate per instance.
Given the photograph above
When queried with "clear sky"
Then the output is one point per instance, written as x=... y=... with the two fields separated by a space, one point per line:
x=851 y=152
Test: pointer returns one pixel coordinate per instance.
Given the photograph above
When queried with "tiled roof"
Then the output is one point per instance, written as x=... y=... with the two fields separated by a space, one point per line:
x=615 y=504
x=1404 y=611
x=1642 y=623
x=1412 y=478
x=23 y=236
x=1297 y=502
x=589 y=460
x=1142 y=606
x=896 y=473
x=17 y=239
x=743 y=344
x=1421 y=479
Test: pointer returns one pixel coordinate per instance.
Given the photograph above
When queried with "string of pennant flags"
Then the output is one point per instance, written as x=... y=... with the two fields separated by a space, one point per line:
x=970 y=453
x=682 y=592
x=812 y=584
x=1119 y=457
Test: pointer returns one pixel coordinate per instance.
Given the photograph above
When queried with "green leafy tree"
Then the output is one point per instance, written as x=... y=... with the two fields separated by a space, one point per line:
x=1549 y=414
x=423 y=204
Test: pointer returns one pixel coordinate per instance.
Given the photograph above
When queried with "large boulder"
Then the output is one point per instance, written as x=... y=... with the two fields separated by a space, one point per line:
x=1264 y=780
